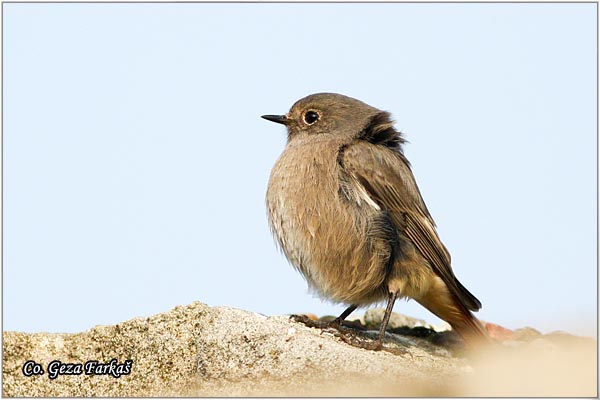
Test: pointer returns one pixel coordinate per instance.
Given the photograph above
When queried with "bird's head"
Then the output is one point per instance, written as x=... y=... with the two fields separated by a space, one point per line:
x=334 y=114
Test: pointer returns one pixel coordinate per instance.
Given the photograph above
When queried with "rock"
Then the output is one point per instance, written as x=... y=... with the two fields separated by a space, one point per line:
x=526 y=334
x=373 y=317
x=161 y=348
x=197 y=350
x=442 y=327
x=498 y=332
x=372 y=320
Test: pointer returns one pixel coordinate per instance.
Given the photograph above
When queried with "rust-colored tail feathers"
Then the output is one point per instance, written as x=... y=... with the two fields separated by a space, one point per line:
x=440 y=301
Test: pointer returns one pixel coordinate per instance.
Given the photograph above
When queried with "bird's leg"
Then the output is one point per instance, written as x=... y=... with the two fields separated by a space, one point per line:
x=336 y=323
x=392 y=296
x=376 y=344
x=339 y=320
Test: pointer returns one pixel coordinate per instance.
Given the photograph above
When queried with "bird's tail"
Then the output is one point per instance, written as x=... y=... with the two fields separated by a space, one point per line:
x=470 y=329
x=448 y=307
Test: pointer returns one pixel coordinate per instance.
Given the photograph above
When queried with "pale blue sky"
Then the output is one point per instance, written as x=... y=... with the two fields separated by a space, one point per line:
x=136 y=161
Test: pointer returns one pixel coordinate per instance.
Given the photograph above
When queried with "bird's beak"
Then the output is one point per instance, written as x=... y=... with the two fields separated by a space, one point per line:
x=280 y=119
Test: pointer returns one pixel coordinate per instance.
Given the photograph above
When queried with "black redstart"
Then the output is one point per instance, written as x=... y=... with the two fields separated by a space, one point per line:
x=345 y=208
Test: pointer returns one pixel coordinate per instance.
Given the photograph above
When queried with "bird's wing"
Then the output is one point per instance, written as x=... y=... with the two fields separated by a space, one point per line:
x=386 y=176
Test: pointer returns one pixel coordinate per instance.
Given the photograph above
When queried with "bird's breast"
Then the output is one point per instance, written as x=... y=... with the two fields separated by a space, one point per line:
x=325 y=236
x=302 y=197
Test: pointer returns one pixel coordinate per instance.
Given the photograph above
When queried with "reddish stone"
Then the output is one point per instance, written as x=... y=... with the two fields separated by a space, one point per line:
x=499 y=332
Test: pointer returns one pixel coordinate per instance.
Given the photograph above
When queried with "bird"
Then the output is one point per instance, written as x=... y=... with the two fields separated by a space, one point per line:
x=345 y=209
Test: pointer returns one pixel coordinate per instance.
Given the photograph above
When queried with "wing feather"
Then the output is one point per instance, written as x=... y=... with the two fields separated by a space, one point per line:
x=386 y=176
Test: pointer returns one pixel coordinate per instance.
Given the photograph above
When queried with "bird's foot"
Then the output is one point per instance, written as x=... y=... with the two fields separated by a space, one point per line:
x=337 y=324
x=311 y=323
x=348 y=334
x=369 y=344
x=361 y=343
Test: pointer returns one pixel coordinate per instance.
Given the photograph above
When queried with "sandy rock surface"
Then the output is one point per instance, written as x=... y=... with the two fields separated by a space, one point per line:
x=197 y=350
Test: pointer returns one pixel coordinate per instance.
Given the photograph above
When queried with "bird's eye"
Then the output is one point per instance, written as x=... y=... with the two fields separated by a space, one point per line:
x=311 y=117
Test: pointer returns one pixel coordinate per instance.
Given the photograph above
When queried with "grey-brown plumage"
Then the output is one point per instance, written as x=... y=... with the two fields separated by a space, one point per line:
x=345 y=208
